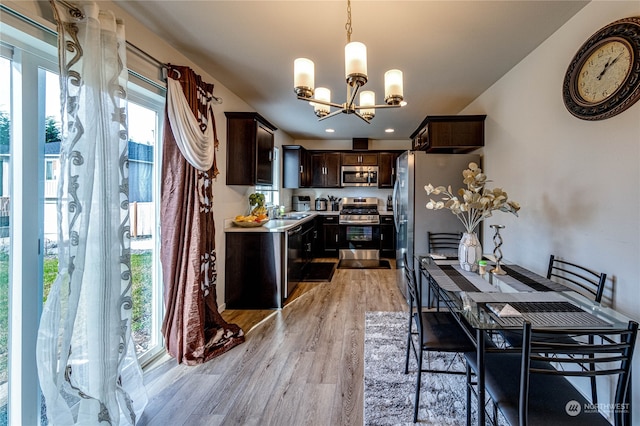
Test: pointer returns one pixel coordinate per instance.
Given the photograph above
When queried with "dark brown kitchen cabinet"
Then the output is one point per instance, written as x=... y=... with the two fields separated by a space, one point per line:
x=252 y=270
x=296 y=167
x=325 y=169
x=249 y=149
x=329 y=245
x=387 y=236
x=449 y=133
x=359 y=159
x=387 y=169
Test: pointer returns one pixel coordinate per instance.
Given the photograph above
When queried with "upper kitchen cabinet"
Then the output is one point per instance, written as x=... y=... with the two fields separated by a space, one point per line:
x=325 y=169
x=249 y=149
x=296 y=167
x=359 y=159
x=387 y=169
x=449 y=133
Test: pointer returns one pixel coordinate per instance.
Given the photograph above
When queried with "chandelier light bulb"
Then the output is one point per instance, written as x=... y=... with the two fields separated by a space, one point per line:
x=322 y=94
x=303 y=77
x=393 y=88
x=367 y=98
x=355 y=63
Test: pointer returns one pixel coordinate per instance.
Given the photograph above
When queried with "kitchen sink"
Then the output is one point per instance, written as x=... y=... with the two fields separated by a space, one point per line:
x=295 y=216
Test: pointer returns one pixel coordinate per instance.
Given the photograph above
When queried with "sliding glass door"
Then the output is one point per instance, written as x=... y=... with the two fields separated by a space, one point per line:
x=29 y=171
x=145 y=112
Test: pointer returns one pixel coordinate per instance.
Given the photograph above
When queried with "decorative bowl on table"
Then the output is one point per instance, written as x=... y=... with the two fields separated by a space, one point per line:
x=250 y=224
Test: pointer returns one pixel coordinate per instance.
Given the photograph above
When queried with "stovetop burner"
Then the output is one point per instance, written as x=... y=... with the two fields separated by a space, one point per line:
x=359 y=211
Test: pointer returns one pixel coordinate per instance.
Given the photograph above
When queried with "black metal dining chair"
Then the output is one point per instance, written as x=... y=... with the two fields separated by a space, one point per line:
x=532 y=387
x=583 y=280
x=430 y=331
x=444 y=242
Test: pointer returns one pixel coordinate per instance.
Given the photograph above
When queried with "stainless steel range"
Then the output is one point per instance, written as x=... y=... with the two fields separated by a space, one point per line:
x=359 y=222
x=361 y=210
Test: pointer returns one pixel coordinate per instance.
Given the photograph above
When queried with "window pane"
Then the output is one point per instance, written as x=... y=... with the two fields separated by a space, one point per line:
x=51 y=168
x=5 y=122
x=143 y=132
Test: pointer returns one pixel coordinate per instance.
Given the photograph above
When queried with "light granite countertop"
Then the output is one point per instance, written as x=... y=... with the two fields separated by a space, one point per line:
x=283 y=225
x=274 y=225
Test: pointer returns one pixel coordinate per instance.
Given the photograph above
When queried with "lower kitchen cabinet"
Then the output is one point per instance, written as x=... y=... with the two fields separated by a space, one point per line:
x=253 y=270
x=387 y=237
x=330 y=244
x=263 y=268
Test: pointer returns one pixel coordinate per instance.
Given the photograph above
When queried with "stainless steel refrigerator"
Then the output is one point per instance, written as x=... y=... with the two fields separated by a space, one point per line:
x=413 y=220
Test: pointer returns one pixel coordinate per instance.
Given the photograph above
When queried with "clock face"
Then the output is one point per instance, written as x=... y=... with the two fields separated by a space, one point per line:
x=603 y=78
x=604 y=71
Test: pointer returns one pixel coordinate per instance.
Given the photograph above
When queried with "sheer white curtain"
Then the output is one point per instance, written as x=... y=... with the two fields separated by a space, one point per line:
x=88 y=370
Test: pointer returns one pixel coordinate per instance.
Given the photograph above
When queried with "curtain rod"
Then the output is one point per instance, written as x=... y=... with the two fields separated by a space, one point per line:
x=78 y=13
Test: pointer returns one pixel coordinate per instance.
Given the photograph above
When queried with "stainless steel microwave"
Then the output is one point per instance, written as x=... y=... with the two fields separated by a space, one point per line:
x=359 y=176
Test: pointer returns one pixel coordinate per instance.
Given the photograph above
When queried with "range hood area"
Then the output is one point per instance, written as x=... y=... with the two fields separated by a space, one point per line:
x=360 y=144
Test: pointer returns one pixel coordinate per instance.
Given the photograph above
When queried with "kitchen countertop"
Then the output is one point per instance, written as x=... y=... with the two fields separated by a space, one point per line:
x=280 y=225
x=274 y=225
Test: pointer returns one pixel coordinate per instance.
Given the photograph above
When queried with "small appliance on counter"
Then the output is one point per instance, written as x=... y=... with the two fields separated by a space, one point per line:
x=321 y=204
x=301 y=203
x=389 y=203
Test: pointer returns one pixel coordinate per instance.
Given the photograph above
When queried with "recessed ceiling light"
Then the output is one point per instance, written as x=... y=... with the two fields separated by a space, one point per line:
x=389 y=130
x=329 y=130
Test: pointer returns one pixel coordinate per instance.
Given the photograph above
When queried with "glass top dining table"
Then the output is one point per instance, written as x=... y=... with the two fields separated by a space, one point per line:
x=490 y=302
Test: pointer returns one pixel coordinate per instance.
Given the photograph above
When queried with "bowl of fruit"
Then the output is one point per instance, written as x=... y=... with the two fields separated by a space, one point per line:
x=250 y=221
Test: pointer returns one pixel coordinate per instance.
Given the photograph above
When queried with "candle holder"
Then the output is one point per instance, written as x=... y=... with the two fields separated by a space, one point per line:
x=497 y=251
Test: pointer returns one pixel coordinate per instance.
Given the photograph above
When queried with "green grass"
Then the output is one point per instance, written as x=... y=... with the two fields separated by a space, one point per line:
x=141 y=293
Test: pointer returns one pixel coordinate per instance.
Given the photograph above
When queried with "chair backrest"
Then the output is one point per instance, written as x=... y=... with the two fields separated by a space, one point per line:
x=413 y=290
x=410 y=278
x=585 y=281
x=440 y=242
x=579 y=356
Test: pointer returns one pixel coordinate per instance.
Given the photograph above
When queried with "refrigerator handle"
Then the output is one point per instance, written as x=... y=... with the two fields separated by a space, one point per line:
x=396 y=211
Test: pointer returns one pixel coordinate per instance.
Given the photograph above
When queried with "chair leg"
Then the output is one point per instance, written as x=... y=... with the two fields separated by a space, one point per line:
x=592 y=367
x=406 y=361
x=418 y=382
x=468 y=395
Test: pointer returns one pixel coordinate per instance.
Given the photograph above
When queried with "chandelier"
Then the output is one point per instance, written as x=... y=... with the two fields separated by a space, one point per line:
x=355 y=56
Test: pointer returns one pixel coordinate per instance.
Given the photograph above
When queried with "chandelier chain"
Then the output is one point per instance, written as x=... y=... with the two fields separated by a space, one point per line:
x=347 y=26
x=356 y=77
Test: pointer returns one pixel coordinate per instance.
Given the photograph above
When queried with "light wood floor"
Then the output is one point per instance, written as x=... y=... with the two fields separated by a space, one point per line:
x=302 y=365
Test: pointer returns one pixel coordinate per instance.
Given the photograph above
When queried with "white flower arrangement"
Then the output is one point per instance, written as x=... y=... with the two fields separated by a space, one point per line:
x=474 y=204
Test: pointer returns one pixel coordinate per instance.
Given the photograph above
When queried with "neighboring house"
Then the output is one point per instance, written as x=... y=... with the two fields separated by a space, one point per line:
x=140 y=187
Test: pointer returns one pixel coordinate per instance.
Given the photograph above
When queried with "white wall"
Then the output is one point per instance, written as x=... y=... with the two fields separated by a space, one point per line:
x=578 y=181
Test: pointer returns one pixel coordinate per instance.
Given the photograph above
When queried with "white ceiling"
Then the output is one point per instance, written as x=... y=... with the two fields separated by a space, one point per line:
x=449 y=51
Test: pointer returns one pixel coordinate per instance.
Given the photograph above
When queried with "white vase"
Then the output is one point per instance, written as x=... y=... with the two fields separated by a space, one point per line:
x=469 y=251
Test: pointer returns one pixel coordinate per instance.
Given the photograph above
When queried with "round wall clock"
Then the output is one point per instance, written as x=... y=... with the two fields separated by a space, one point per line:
x=603 y=79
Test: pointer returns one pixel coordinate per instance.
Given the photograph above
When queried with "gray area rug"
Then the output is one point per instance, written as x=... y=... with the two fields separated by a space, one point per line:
x=389 y=393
